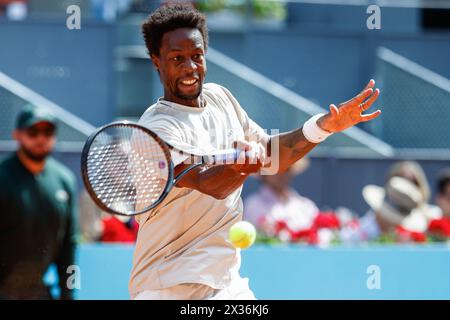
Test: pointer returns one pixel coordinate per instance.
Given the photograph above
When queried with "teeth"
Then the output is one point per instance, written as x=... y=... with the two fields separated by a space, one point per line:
x=189 y=82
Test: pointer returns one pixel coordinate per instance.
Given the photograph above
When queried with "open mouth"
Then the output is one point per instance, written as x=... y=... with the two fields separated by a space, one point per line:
x=189 y=82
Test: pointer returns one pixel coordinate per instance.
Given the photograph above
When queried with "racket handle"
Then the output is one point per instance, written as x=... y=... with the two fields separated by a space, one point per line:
x=228 y=156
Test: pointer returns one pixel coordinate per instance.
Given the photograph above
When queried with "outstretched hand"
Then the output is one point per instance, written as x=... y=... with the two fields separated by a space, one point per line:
x=350 y=113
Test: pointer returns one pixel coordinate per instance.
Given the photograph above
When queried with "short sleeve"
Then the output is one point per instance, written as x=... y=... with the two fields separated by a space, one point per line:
x=170 y=133
x=252 y=130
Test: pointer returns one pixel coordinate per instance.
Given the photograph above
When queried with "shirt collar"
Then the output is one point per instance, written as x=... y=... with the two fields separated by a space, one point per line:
x=181 y=107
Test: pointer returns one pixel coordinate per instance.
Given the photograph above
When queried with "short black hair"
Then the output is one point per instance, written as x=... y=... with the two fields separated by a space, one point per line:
x=168 y=18
x=443 y=180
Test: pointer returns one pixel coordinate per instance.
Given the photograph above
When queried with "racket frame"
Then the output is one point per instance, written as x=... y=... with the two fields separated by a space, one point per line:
x=164 y=147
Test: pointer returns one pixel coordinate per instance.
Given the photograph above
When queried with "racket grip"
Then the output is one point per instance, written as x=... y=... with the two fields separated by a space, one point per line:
x=229 y=156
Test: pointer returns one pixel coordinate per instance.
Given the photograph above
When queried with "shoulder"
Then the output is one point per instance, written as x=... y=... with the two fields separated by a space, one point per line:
x=158 y=116
x=150 y=111
x=215 y=91
x=63 y=172
x=223 y=99
x=169 y=125
x=214 y=87
x=150 y=114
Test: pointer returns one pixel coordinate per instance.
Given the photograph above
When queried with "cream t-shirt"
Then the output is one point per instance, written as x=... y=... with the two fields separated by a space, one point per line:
x=184 y=239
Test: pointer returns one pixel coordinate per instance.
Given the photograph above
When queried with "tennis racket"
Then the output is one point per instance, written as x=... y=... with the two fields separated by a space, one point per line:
x=128 y=170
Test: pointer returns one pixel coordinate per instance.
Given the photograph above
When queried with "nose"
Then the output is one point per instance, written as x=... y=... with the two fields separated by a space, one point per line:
x=189 y=65
x=42 y=140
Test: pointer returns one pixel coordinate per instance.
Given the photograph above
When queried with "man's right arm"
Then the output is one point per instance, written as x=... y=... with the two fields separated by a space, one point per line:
x=218 y=181
x=221 y=180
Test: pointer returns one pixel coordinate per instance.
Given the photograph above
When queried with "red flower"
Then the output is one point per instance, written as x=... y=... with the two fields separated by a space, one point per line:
x=326 y=220
x=309 y=235
x=440 y=227
x=406 y=235
x=115 y=230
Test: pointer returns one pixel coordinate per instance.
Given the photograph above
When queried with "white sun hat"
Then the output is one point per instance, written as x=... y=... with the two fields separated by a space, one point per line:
x=398 y=202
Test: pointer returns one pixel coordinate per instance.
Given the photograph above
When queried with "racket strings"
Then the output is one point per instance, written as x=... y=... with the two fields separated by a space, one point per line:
x=127 y=169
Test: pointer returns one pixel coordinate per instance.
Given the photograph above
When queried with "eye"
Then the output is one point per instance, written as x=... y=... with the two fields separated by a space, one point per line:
x=177 y=58
x=198 y=56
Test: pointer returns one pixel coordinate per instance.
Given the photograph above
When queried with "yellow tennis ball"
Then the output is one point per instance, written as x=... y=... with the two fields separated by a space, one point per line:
x=242 y=234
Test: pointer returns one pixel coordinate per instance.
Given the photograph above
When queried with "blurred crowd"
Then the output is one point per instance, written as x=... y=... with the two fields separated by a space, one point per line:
x=400 y=211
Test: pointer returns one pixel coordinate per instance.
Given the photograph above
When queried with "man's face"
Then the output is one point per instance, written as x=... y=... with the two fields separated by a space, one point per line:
x=182 y=65
x=37 y=141
x=443 y=200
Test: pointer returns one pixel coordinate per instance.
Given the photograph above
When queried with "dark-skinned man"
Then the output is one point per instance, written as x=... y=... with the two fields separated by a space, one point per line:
x=182 y=252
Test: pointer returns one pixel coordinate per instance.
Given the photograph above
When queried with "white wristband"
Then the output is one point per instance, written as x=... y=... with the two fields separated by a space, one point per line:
x=312 y=132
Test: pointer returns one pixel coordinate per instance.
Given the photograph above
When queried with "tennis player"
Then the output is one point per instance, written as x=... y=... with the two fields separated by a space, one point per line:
x=182 y=252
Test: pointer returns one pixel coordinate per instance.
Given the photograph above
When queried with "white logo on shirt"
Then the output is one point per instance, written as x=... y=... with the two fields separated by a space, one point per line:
x=62 y=195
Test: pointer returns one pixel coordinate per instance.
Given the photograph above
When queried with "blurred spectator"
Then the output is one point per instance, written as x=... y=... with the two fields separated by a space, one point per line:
x=412 y=171
x=439 y=228
x=395 y=211
x=277 y=200
x=279 y=211
x=443 y=192
x=38 y=211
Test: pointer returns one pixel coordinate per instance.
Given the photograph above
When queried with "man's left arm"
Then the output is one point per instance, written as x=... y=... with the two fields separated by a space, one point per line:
x=292 y=146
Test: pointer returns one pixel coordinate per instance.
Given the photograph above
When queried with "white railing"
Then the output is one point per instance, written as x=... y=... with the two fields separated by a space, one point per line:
x=413 y=68
x=38 y=100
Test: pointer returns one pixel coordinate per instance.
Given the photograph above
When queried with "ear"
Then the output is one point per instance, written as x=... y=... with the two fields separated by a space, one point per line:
x=156 y=61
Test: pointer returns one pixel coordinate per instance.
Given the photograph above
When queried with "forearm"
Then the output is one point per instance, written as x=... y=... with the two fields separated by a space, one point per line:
x=289 y=147
x=218 y=181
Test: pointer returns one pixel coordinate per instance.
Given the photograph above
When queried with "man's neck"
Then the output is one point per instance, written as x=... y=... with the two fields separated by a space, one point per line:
x=35 y=167
x=195 y=103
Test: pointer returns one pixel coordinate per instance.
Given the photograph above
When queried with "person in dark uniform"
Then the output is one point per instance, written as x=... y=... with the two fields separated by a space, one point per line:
x=37 y=211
